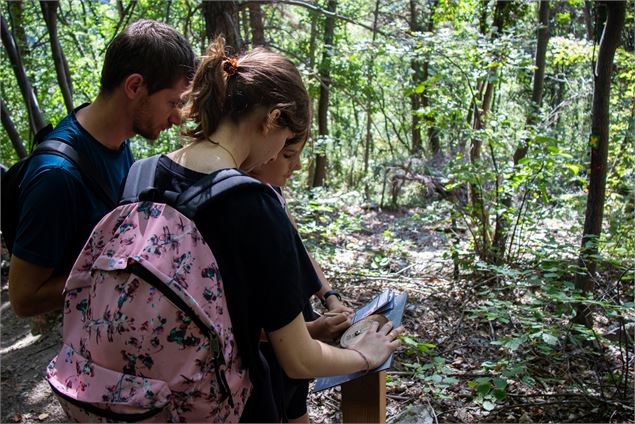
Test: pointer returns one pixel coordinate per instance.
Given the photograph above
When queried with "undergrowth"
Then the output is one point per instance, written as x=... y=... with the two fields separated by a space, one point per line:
x=521 y=354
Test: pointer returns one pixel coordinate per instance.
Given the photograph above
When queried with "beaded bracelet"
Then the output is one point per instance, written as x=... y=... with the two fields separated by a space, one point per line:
x=364 y=357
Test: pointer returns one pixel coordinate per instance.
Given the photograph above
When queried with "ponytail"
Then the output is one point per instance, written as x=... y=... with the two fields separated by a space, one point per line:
x=232 y=87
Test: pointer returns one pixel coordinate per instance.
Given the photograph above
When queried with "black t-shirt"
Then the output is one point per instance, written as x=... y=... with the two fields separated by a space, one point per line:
x=267 y=275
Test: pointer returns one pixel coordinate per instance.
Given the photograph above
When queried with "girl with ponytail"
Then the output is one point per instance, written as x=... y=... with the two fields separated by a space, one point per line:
x=239 y=113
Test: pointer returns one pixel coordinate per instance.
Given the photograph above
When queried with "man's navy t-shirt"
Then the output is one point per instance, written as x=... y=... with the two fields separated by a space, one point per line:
x=57 y=209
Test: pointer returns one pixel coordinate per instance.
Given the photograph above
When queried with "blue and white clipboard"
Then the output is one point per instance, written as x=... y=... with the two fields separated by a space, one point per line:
x=387 y=303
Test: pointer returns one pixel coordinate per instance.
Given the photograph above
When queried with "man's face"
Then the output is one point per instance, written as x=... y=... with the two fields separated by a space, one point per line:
x=159 y=111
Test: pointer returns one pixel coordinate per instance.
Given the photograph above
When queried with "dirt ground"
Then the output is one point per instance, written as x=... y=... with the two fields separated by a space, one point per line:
x=437 y=313
x=26 y=396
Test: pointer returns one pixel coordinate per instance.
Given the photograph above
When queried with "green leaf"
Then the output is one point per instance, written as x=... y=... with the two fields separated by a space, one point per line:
x=513 y=344
x=500 y=383
x=549 y=339
x=484 y=388
x=436 y=378
x=499 y=394
x=574 y=169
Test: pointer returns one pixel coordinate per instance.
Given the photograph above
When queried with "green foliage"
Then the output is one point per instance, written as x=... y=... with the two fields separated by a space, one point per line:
x=427 y=367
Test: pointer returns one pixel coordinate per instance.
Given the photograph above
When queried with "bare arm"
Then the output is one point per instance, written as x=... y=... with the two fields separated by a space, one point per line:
x=303 y=357
x=32 y=290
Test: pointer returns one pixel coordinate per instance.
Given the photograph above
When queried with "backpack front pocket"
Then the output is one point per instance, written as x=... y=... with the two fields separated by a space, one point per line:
x=89 y=391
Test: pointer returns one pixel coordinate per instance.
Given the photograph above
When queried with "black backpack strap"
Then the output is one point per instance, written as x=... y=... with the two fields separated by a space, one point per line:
x=210 y=188
x=41 y=135
x=91 y=178
x=140 y=180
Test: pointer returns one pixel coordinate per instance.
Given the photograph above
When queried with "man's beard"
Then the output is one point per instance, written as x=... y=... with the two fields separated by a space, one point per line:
x=141 y=123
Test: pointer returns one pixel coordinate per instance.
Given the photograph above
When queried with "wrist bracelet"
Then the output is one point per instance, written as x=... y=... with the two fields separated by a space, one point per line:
x=364 y=357
x=330 y=293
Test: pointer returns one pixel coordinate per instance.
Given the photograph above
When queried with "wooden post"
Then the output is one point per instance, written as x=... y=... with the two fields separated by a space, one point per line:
x=364 y=399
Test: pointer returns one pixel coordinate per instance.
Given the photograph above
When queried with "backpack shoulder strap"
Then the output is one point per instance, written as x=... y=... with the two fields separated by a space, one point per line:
x=210 y=188
x=91 y=178
x=140 y=179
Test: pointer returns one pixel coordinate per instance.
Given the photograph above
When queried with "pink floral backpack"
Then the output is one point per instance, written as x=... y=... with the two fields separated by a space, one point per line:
x=147 y=333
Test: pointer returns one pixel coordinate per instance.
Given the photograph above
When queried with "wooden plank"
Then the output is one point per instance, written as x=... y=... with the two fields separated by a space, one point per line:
x=364 y=399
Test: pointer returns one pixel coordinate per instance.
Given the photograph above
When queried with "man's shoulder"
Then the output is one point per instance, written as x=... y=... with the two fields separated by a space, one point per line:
x=49 y=169
x=67 y=130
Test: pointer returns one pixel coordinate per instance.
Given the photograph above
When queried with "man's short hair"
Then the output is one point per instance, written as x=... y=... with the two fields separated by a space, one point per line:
x=152 y=49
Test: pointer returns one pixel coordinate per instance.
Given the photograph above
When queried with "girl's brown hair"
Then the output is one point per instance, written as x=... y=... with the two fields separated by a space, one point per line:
x=234 y=87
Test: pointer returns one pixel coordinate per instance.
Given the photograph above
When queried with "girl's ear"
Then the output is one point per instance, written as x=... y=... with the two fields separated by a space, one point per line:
x=133 y=86
x=270 y=120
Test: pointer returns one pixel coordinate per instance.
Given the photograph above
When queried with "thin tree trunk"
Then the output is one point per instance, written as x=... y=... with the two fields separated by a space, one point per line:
x=120 y=9
x=313 y=39
x=255 y=22
x=418 y=77
x=483 y=243
x=539 y=75
x=16 y=16
x=168 y=8
x=49 y=10
x=599 y=141
x=312 y=47
x=588 y=19
x=13 y=134
x=325 y=82
x=433 y=132
x=501 y=231
x=36 y=120
x=502 y=223
x=369 y=100
x=221 y=19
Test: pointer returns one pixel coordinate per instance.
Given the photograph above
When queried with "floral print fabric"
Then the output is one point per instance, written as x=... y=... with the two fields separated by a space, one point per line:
x=127 y=348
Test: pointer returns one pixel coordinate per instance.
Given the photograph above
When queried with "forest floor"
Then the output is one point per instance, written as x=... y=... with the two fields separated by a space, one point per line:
x=434 y=377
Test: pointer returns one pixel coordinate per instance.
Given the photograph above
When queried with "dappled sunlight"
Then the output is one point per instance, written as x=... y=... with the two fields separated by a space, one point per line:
x=26 y=341
x=39 y=393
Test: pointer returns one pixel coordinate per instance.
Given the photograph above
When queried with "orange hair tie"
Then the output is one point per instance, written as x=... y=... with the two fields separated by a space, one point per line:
x=230 y=65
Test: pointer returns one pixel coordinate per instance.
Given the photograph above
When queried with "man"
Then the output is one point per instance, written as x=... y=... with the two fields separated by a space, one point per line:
x=146 y=70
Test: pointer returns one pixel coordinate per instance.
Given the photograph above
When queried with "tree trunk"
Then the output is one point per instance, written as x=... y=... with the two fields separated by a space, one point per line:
x=433 y=132
x=418 y=77
x=598 y=141
x=501 y=231
x=49 y=10
x=588 y=20
x=221 y=18
x=255 y=22
x=484 y=238
x=539 y=75
x=16 y=16
x=369 y=99
x=325 y=82
x=168 y=8
x=36 y=120
x=13 y=134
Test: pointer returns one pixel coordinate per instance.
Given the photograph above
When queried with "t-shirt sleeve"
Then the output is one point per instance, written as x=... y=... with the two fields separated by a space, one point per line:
x=49 y=205
x=258 y=256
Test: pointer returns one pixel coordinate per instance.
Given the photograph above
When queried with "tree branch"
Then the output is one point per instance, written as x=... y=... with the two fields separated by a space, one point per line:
x=327 y=13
